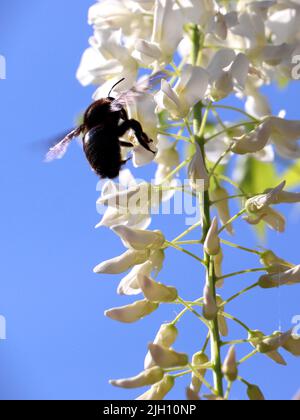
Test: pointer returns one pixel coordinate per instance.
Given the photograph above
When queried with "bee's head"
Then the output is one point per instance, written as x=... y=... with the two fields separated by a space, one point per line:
x=99 y=113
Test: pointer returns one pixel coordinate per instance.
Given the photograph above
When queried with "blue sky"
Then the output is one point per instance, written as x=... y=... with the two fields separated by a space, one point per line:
x=59 y=345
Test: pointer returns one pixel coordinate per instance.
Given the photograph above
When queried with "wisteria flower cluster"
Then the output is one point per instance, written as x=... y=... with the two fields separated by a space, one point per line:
x=209 y=52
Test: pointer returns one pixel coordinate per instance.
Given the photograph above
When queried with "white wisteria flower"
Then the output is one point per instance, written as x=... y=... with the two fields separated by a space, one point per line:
x=285 y=136
x=189 y=90
x=288 y=277
x=167 y=28
x=143 y=110
x=133 y=312
x=123 y=262
x=145 y=378
x=227 y=72
x=128 y=15
x=140 y=239
x=105 y=60
x=165 y=337
x=130 y=284
x=117 y=199
x=167 y=159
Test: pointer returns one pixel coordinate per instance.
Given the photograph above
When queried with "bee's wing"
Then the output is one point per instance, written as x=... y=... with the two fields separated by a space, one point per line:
x=58 y=151
x=140 y=88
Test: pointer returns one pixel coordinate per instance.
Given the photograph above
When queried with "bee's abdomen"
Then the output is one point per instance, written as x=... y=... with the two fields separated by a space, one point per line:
x=103 y=152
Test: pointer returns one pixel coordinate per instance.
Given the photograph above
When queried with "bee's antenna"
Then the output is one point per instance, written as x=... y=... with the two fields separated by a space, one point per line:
x=120 y=81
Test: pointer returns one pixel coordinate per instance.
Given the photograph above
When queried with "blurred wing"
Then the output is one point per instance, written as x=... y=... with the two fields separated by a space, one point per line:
x=59 y=150
x=140 y=88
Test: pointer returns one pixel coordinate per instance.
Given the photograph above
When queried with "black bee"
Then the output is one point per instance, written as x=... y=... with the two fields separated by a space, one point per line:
x=104 y=122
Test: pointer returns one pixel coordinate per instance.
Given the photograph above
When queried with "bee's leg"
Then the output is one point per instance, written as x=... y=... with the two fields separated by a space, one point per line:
x=125 y=144
x=124 y=115
x=142 y=137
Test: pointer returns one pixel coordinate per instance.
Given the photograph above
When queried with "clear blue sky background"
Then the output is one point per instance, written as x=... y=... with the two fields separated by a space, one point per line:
x=59 y=345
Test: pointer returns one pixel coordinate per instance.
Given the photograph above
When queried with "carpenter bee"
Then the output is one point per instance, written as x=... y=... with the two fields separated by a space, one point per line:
x=104 y=123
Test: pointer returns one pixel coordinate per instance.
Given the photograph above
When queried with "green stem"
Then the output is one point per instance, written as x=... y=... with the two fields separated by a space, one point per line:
x=206 y=343
x=175 y=136
x=243 y=381
x=228 y=390
x=238 y=273
x=201 y=378
x=233 y=318
x=199 y=128
x=176 y=170
x=242 y=248
x=179 y=375
x=175 y=246
x=227 y=130
x=186 y=232
x=234 y=342
x=196 y=242
x=183 y=302
x=233 y=219
x=230 y=197
x=237 y=295
x=219 y=161
x=234 y=184
x=246 y=358
x=232 y=108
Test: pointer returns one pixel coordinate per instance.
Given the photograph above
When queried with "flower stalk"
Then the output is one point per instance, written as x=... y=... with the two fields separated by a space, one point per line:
x=206 y=224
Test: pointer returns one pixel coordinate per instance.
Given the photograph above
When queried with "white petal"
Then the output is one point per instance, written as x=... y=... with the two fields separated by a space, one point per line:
x=192 y=87
x=240 y=69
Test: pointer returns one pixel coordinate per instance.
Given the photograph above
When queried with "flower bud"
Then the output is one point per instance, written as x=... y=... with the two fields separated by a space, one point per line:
x=148 y=377
x=197 y=172
x=288 y=277
x=157 y=292
x=159 y=391
x=132 y=313
x=218 y=260
x=254 y=393
x=221 y=319
x=192 y=395
x=212 y=241
x=165 y=337
x=122 y=263
x=210 y=308
x=230 y=367
x=198 y=359
x=220 y=197
x=167 y=358
x=139 y=239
